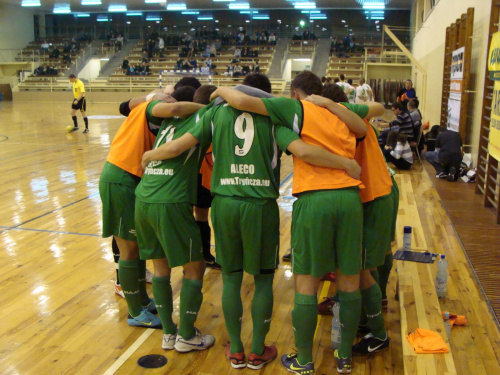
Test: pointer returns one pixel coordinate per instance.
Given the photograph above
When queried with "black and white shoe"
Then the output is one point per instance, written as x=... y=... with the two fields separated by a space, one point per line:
x=442 y=175
x=370 y=344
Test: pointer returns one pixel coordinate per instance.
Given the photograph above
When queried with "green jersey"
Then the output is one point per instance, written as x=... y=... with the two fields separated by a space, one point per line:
x=173 y=180
x=285 y=111
x=245 y=151
x=360 y=109
x=154 y=123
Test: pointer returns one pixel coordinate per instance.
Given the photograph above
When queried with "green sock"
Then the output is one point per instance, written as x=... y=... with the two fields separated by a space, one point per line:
x=162 y=292
x=191 y=299
x=142 y=283
x=350 y=309
x=372 y=302
x=384 y=272
x=363 y=319
x=233 y=308
x=262 y=310
x=129 y=280
x=304 y=320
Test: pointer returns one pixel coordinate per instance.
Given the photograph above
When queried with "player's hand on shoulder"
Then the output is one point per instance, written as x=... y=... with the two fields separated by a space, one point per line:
x=353 y=169
x=318 y=100
x=145 y=160
x=214 y=95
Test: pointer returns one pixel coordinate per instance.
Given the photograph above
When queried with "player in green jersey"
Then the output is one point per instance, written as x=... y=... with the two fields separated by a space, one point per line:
x=167 y=232
x=245 y=185
x=312 y=256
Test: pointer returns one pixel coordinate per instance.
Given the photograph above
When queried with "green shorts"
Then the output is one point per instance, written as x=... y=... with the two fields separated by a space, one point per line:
x=327 y=230
x=168 y=230
x=117 y=191
x=377 y=230
x=395 y=197
x=246 y=233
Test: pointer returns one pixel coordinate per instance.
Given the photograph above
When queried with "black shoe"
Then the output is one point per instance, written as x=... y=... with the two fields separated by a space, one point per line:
x=74 y=129
x=288 y=256
x=211 y=263
x=452 y=175
x=362 y=331
x=442 y=175
x=370 y=344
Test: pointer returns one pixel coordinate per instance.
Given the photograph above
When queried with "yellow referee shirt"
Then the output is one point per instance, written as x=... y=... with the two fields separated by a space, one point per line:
x=78 y=88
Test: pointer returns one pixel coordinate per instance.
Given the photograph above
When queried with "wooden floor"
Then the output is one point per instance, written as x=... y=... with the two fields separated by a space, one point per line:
x=57 y=304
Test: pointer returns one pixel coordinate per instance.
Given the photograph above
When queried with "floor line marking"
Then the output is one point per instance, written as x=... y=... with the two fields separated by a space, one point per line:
x=286 y=178
x=128 y=353
x=48 y=213
x=53 y=231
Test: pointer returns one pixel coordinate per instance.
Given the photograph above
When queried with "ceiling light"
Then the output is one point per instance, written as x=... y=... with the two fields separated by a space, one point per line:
x=154 y=1
x=205 y=18
x=223 y=1
x=128 y=22
x=30 y=3
x=190 y=12
x=239 y=6
x=117 y=8
x=134 y=14
x=82 y=15
x=261 y=17
x=304 y=5
x=176 y=6
x=62 y=8
x=247 y=21
x=374 y=6
x=309 y=11
x=102 y=18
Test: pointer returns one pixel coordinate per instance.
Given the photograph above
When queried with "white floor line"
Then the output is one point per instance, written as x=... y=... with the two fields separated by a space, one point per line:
x=131 y=350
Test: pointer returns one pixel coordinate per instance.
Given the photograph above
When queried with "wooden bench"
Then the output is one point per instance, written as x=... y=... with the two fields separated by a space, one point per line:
x=420 y=309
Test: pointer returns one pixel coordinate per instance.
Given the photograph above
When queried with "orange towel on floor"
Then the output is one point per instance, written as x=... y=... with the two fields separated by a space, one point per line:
x=424 y=341
x=455 y=319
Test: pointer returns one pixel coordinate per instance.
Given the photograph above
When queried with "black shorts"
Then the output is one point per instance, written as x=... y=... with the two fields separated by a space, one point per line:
x=81 y=105
x=204 y=197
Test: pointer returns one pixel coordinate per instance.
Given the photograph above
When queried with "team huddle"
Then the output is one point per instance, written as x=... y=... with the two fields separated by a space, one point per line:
x=202 y=147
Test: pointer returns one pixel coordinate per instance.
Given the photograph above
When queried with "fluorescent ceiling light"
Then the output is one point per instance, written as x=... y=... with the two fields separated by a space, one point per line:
x=190 y=12
x=318 y=17
x=62 y=8
x=249 y=11
x=117 y=8
x=91 y=2
x=239 y=6
x=309 y=11
x=374 y=6
x=223 y=1
x=176 y=6
x=261 y=17
x=377 y=18
x=82 y=15
x=205 y=18
x=305 y=5
x=132 y=14
x=102 y=18
x=30 y=3
x=153 y=18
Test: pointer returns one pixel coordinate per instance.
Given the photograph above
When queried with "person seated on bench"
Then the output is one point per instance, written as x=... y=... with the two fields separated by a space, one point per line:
x=447 y=157
x=54 y=54
x=397 y=150
x=45 y=46
x=40 y=71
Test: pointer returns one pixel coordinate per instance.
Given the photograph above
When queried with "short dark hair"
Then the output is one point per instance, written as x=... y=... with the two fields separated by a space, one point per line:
x=202 y=95
x=334 y=92
x=397 y=105
x=184 y=94
x=307 y=82
x=349 y=81
x=336 y=80
x=323 y=79
x=411 y=104
x=342 y=77
x=416 y=102
x=259 y=81
x=188 y=81
x=71 y=76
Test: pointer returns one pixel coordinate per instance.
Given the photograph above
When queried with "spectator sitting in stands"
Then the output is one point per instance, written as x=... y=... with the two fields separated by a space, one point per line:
x=256 y=67
x=125 y=64
x=272 y=39
x=213 y=50
x=241 y=38
x=414 y=113
x=306 y=35
x=40 y=71
x=336 y=80
x=66 y=59
x=66 y=47
x=54 y=54
x=244 y=52
x=51 y=71
x=161 y=46
x=447 y=157
x=194 y=63
x=45 y=46
x=237 y=72
x=145 y=69
x=186 y=65
x=245 y=70
x=397 y=150
x=178 y=64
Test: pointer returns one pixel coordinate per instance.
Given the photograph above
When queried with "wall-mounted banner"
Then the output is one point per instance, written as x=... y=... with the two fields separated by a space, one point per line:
x=456 y=79
x=494 y=68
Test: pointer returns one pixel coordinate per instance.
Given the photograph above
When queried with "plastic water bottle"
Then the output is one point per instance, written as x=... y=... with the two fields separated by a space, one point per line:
x=335 y=338
x=447 y=325
x=407 y=239
x=441 y=277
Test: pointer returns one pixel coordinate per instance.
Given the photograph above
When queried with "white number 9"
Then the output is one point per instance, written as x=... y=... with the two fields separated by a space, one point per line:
x=247 y=133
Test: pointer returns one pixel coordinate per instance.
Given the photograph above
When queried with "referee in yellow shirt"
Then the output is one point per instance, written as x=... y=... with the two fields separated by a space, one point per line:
x=79 y=102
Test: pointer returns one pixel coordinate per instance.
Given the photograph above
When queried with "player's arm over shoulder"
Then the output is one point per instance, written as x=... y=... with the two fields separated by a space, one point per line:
x=180 y=109
x=170 y=149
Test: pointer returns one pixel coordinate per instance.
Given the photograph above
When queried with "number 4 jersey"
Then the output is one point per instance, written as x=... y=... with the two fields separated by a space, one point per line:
x=173 y=180
x=245 y=151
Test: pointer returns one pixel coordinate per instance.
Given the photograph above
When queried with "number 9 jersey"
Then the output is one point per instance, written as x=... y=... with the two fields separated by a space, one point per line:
x=245 y=151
